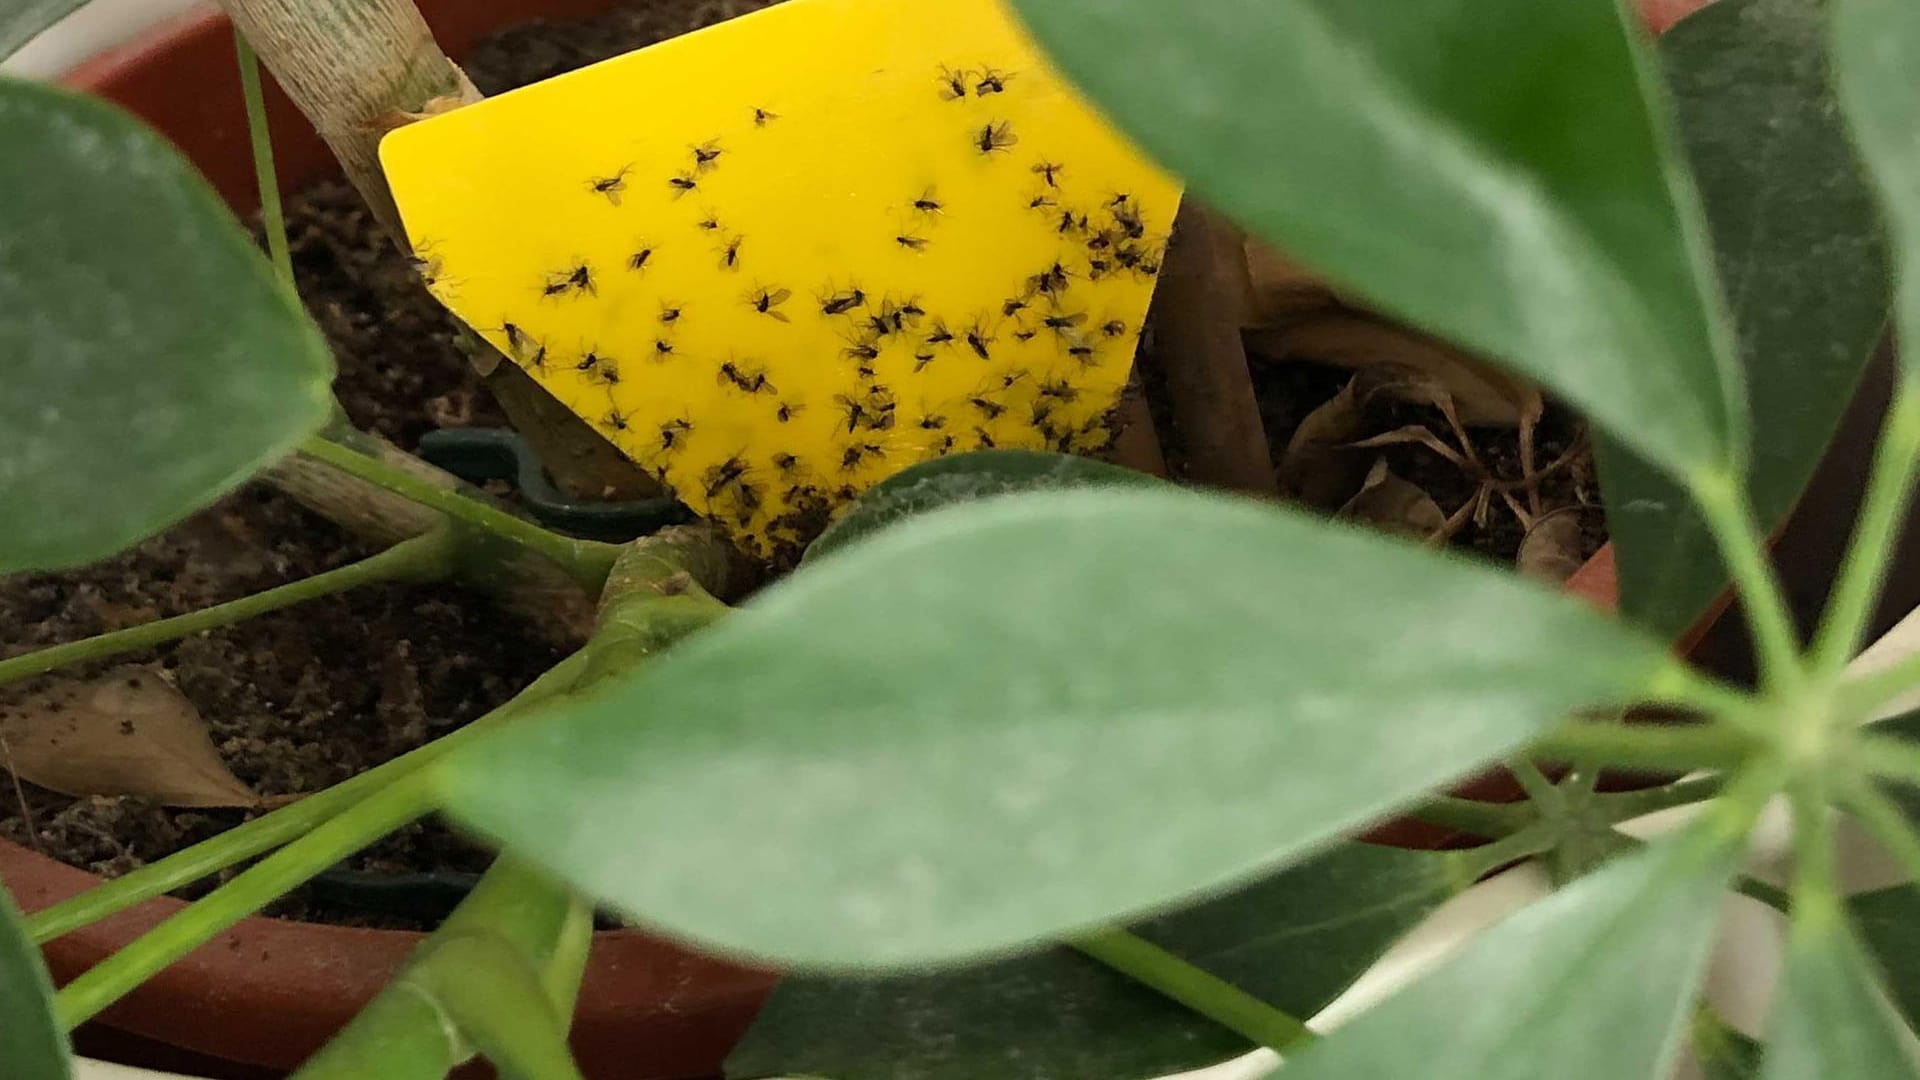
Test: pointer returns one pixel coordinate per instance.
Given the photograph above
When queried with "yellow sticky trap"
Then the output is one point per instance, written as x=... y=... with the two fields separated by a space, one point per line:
x=780 y=259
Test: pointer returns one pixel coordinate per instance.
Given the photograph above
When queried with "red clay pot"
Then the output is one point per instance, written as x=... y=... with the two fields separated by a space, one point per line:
x=265 y=995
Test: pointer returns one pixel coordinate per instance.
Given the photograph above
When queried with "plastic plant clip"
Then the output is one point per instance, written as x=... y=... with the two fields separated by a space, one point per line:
x=782 y=258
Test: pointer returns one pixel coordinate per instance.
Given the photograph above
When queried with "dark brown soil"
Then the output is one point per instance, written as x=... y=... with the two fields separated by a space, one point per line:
x=306 y=698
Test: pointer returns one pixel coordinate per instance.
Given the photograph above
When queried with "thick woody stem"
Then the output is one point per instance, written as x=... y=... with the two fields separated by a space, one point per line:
x=1197 y=309
x=354 y=67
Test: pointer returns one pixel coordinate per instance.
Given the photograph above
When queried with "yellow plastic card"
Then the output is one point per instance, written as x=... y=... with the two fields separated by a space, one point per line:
x=780 y=259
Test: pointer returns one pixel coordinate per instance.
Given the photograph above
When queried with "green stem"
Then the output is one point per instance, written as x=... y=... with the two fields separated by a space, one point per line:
x=282 y=826
x=1895 y=759
x=1682 y=748
x=394 y=1038
x=1882 y=818
x=1212 y=997
x=1866 y=695
x=271 y=219
x=424 y=558
x=1724 y=507
x=1486 y=819
x=256 y=887
x=1851 y=607
x=1472 y=864
x=1539 y=789
x=587 y=562
x=1627 y=805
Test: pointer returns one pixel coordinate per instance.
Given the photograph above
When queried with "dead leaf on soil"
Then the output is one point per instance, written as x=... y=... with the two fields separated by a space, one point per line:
x=1316 y=467
x=128 y=732
x=1395 y=504
x=1482 y=394
x=1550 y=551
x=1279 y=288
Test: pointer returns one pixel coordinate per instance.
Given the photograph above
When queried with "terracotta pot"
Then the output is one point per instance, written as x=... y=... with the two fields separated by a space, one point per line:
x=263 y=996
x=269 y=992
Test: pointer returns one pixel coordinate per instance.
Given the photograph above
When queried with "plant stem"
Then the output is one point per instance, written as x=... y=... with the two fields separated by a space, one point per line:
x=271 y=219
x=1883 y=819
x=393 y=1038
x=423 y=558
x=196 y=924
x=1212 y=997
x=587 y=562
x=1888 y=489
x=1539 y=789
x=1895 y=759
x=1682 y=748
x=1771 y=895
x=282 y=826
x=1627 y=805
x=1472 y=864
x=1491 y=820
x=1724 y=507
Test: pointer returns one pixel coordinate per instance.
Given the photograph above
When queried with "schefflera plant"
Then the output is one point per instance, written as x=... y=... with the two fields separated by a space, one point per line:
x=1032 y=719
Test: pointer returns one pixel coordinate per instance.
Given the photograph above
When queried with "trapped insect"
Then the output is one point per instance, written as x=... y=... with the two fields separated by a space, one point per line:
x=611 y=186
x=995 y=137
x=765 y=301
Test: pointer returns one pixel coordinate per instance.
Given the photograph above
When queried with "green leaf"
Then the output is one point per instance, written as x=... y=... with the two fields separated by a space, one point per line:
x=1010 y=719
x=1295 y=940
x=32 y=1044
x=152 y=362
x=1798 y=242
x=1877 y=58
x=1498 y=172
x=1830 y=1020
x=1889 y=924
x=1592 y=983
x=22 y=21
x=958 y=478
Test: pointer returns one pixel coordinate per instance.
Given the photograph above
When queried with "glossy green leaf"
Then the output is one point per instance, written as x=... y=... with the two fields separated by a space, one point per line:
x=958 y=478
x=1295 y=940
x=151 y=361
x=1498 y=172
x=32 y=1044
x=1877 y=58
x=1006 y=720
x=1798 y=242
x=1593 y=983
x=1830 y=1020
x=1889 y=925
x=22 y=20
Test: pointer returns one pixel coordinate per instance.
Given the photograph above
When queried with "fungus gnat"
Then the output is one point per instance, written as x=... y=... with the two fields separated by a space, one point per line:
x=730 y=254
x=953 y=84
x=638 y=260
x=761 y=117
x=683 y=183
x=911 y=242
x=765 y=301
x=610 y=186
x=991 y=82
x=995 y=136
x=1050 y=172
x=706 y=156
x=841 y=303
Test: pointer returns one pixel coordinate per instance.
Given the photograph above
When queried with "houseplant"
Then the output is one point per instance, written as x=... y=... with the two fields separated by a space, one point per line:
x=1117 y=874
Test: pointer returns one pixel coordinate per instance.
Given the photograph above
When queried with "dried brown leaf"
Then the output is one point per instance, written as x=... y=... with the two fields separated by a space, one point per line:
x=1481 y=394
x=1316 y=467
x=1417 y=435
x=1279 y=288
x=128 y=732
x=1396 y=504
x=1550 y=551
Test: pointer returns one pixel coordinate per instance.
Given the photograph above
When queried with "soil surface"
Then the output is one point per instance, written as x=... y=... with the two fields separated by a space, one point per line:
x=306 y=698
